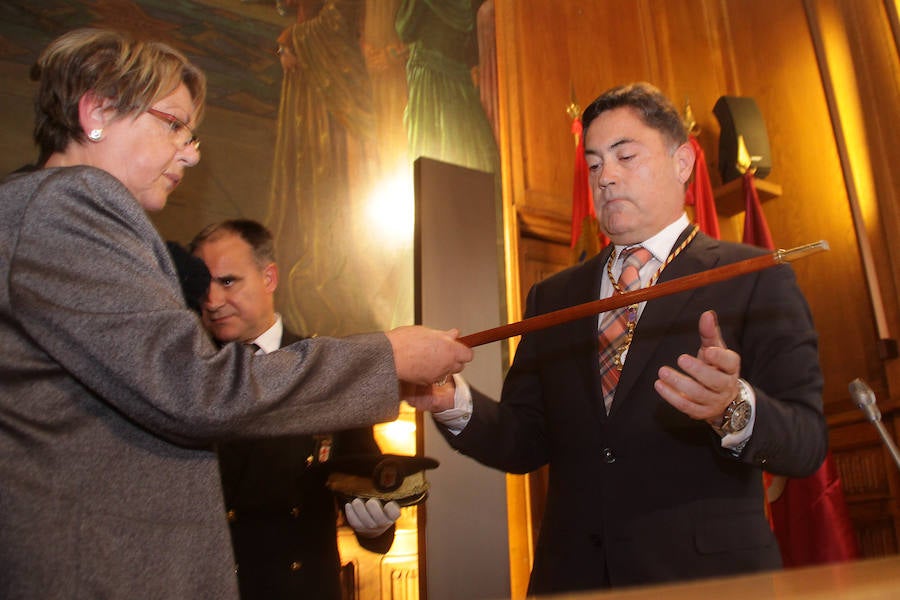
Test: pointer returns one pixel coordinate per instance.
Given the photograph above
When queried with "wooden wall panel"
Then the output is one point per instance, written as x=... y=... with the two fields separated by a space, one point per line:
x=879 y=83
x=859 y=54
x=783 y=76
x=544 y=97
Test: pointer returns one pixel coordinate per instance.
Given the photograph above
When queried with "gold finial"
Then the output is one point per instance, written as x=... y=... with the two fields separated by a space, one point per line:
x=690 y=123
x=573 y=110
x=744 y=161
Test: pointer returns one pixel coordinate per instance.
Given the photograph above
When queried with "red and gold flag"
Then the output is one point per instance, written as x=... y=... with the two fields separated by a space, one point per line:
x=756 y=230
x=586 y=239
x=700 y=194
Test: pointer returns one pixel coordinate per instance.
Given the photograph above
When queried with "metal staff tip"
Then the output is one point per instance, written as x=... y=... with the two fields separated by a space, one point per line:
x=782 y=256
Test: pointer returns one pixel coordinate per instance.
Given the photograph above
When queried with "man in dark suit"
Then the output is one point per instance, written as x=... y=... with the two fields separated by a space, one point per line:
x=656 y=435
x=283 y=518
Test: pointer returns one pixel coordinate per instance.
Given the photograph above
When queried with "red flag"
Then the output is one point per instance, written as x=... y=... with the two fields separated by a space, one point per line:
x=586 y=238
x=582 y=202
x=811 y=521
x=700 y=194
x=756 y=231
x=809 y=517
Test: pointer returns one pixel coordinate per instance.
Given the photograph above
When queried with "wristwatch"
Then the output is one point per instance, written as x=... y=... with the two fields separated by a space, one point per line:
x=737 y=413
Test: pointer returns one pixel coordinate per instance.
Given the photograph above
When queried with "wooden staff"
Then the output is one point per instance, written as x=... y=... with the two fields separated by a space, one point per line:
x=564 y=315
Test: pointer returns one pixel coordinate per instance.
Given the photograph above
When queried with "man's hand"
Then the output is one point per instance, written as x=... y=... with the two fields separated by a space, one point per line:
x=425 y=356
x=430 y=398
x=706 y=383
x=370 y=518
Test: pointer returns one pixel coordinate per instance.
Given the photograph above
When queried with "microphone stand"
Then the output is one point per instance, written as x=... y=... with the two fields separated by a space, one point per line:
x=864 y=397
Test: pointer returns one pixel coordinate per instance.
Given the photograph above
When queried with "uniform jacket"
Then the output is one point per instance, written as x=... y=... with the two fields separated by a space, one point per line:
x=113 y=395
x=283 y=518
x=646 y=494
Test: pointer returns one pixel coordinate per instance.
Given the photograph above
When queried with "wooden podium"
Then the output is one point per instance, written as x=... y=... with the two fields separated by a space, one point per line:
x=872 y=579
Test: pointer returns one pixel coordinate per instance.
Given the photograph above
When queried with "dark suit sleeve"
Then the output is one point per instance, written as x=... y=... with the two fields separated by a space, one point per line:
x=509 y=435
x=779 y=358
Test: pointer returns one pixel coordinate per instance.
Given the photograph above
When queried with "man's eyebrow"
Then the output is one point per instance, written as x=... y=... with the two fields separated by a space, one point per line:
x=613 y=146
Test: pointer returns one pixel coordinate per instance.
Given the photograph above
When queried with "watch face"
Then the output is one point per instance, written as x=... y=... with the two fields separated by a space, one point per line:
x=739 y=417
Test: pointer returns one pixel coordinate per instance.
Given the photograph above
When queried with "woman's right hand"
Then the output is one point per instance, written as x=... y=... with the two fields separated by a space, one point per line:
x=425 y=356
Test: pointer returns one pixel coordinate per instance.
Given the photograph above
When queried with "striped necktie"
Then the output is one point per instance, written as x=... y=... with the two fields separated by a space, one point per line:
x=614 y=333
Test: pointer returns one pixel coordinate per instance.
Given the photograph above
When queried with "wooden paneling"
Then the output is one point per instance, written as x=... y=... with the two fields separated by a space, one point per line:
x=875 y=579
x=870 y=481
x=782 y=75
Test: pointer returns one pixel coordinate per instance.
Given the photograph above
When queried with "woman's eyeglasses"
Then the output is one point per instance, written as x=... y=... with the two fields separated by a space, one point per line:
x=177 y=126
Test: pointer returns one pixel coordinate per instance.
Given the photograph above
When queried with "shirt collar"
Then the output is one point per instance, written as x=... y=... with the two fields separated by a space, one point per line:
x=661 y=244
x=270 y=339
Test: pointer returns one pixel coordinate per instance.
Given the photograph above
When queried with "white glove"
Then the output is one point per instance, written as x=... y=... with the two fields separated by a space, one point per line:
x=370 y=518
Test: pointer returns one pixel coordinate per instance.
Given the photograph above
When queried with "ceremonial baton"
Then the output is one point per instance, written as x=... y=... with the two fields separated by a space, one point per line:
x=688 y=282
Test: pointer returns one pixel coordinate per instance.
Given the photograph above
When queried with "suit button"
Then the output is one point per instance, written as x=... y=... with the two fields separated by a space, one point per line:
x=231 y=516
x=607 y=455
x=296 y=565
x=295 y=512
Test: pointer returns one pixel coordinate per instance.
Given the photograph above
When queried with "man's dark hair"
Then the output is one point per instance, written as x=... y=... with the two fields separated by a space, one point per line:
x=654 y=109
x=254 y=233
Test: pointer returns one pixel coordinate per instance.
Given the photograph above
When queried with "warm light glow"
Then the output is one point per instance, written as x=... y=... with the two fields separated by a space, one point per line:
x=390 y=210
x=852 y=118
x=397 y=437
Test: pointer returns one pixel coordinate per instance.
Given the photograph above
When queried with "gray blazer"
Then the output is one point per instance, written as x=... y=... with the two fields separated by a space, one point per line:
x=111 y=395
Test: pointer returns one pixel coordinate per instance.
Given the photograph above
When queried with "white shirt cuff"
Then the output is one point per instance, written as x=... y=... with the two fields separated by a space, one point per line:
x=455 y=419
x=736 y=441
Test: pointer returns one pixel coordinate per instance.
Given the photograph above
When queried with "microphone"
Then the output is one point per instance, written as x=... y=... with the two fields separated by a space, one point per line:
x=864 y=397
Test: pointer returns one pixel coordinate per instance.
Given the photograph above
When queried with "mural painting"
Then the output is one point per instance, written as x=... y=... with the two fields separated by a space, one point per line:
x=352 y=91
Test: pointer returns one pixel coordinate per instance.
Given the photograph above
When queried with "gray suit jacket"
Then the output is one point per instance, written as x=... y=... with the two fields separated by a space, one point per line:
x=112 y=396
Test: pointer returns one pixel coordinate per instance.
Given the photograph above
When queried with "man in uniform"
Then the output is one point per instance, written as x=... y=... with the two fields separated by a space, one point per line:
x=283 y=517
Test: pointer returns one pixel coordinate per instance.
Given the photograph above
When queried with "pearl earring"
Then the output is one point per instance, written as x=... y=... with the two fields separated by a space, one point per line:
x=96 y=135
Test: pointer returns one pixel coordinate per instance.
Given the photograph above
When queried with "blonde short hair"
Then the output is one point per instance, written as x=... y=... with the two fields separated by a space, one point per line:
x=131 y=73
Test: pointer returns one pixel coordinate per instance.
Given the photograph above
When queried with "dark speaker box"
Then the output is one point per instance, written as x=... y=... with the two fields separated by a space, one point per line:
x=740 y=116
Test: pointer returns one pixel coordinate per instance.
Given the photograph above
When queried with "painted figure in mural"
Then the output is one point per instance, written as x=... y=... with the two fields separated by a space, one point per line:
x=656 y=420
x=386 y=58
x=444 y=116
x=113 y=394
x=325 y=158
x=282 y=515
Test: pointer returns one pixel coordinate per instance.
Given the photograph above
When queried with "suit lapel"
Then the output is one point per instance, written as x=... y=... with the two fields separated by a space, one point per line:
x=699 y=255
x=238 y=461
x=586 y=288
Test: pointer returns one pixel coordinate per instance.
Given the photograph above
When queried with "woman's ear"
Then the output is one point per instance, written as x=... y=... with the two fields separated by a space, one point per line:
x=93 y=114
